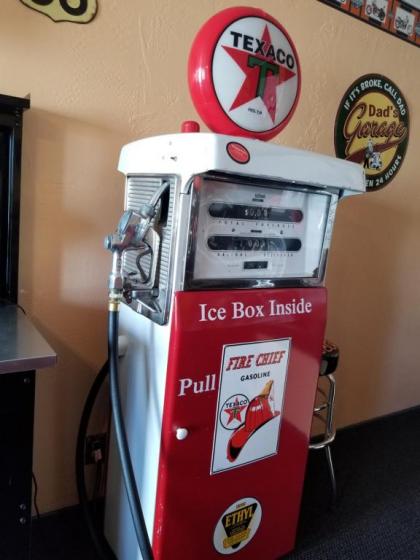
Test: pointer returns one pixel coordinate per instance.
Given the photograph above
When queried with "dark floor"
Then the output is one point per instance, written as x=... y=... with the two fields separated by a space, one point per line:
x=377 y=516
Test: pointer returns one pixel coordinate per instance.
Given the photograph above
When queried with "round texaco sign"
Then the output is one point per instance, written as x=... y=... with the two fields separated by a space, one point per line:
x=244 y=74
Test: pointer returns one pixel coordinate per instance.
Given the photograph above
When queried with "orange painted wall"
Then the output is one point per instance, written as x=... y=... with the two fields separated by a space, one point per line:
x=95 y=87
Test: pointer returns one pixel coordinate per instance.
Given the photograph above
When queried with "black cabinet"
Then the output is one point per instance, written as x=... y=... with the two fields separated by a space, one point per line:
x=11 y=120
x=22 y=351
x=17 y=393
x=17 y=378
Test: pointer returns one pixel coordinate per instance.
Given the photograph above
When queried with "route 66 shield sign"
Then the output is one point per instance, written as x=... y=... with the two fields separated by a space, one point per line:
x=76 y=11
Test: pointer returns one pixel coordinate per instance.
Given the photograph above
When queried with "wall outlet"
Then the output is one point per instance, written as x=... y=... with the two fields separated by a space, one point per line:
x=95 y=449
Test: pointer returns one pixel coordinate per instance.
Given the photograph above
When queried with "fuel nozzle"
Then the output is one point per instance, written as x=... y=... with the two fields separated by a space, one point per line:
x=130 y=232
x=129 y=235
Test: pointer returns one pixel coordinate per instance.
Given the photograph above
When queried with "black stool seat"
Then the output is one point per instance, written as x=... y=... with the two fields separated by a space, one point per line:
x=330 y=355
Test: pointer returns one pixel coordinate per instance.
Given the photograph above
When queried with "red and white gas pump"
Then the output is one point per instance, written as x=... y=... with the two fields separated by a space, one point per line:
x=219 y=260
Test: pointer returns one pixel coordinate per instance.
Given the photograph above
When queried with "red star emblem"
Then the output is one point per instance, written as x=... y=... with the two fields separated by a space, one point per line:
x=235 y=412
x=263 y=74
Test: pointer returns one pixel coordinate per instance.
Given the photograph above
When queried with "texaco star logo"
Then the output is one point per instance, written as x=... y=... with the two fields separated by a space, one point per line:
x=255 y=74
x=244 y=74
x=263 y=74
x=232 y=413
x=235 y=412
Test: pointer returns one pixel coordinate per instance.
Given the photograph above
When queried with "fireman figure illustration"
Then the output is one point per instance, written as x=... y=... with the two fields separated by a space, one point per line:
x=368 y=153
x=260 y=411
x=372 y=158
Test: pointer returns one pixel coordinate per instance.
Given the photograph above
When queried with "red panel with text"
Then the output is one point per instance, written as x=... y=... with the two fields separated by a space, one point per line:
x=241 y=383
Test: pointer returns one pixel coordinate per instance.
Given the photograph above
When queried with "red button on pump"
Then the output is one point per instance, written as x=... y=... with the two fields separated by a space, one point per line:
x=238 y=152
x=190 y=126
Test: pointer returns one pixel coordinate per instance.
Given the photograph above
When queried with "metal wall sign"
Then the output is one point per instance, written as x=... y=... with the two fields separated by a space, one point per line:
x=398 y=17
x=75 y=11
x=372 y=128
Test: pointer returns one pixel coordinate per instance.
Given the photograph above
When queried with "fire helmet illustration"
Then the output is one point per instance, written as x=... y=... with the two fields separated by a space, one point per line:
x=258 y=413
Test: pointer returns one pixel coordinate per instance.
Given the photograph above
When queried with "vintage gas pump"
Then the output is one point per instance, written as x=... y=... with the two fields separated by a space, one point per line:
x=219 y=261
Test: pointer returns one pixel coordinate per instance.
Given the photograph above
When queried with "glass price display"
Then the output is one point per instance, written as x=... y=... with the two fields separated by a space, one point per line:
x=258 y=232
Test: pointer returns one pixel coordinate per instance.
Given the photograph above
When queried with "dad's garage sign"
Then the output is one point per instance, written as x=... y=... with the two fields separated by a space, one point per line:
x=76 y=11
x=372 y=128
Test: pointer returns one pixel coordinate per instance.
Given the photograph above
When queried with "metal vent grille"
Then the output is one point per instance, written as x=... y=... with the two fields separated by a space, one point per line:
x=140 y=190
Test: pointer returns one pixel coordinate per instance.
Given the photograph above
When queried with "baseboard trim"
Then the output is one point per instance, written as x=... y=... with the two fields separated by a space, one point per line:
x=377 y=419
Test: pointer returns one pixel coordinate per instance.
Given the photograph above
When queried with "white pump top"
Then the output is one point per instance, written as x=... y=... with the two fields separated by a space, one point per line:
x=188 y=154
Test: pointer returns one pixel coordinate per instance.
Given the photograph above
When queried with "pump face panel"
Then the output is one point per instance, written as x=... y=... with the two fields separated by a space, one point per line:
x=254 y=232
x=241 y=233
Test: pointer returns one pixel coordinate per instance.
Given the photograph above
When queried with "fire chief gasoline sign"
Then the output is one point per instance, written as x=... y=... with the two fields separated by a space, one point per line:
x=372 y=128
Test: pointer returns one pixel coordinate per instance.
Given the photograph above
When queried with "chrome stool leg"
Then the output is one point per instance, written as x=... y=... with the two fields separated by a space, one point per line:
x=331 y=430
x=332 y=476
x=329 y=435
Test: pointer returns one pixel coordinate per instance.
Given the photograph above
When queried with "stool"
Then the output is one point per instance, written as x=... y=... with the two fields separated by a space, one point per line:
x=325 y=410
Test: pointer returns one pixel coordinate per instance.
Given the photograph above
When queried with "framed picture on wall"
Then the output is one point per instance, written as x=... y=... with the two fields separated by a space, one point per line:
x=401 y=18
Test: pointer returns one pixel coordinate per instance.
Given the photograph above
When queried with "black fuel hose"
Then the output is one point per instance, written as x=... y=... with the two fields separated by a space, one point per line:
x=122 y=443
x=101 y=544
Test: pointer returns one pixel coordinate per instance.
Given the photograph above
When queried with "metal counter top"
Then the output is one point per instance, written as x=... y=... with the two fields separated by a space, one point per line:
x=22 y=347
